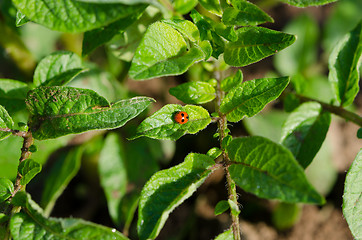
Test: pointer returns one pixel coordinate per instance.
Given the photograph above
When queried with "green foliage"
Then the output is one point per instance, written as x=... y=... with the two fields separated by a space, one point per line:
x=260 y=167
x=147 y=39
x=58 y=111
x=161 y=125
x=352 y=204
x=28 y=169
x=194 y=92
x=244 y=13
x=31 y=223
x=254 y=44
x=79 y=16
x=221 y=207
x=57 y=69
x=113 y=174
x=227 y=235
x=6 y=189
x=164 y=51
x=250 y=97
x=65 y=168
x=5 y=122
x=13 y=94
x=167 y=189
x=344 y=63
x=307 y=3
x=305 y=130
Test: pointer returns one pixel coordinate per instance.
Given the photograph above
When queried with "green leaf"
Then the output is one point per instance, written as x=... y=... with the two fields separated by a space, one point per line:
x=124 y=45
x=307 y=3
x=232 y=81
x=187 y=29
x=221 y=207
x=31 y=224
x=211 y=31
x=13 y=94
x=270 y=171
x=59 y=176
x=73 y=16
x=244 y=13
x=227 y=235
x=113 y=174
x=161 y=125
x=194 y=92
x=97 y=37
x=167 y=189
x=184 y=6
x=254 y=44
x=57 y=69
x=344 y=63
x=6 y=189
x=214 y=152
x=234 y=208
x=59 y=111
x=6 y=122
x=352 y=197
x=163 y=52
x=251 y=97
x=127 y=2
x=212 y=6
x=21 y=19
x=303 y=53
x=305 y=130
x=359 y=133
x=28 y=169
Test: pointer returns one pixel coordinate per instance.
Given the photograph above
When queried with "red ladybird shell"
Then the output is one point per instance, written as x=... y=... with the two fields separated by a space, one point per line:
x=181 y=117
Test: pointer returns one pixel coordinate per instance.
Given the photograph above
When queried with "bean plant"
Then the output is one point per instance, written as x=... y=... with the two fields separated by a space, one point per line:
x=154 y=39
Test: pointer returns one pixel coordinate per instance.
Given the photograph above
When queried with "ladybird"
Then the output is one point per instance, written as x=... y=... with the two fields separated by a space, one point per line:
x=181 y=117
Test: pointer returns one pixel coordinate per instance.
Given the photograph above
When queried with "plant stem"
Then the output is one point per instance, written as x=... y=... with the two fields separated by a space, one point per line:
x=222 y=126
x=340 y=111
x=25 y=154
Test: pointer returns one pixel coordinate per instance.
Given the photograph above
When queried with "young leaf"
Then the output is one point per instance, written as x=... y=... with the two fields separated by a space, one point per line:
x=6 y=189
x=63 y=171
x=221 y=207
x=251 y=97
x=352 y=202
x=305 y=130
x=214 y=152
x=161 y=125
x=74 y=16
x=254 y=44
x=187 y=29
x=95 y=38
x=113 y=174
x=184 y=6
x=6 y=122
x=21 y=19
x=232 y=81
x=212 y=6
x=227 y=235
x=270 y=171
x=344 y=63
x=163 y=52
x=307 y=3
x=13 y=94
x=59 y=111
x=28 y=169
x=167 y=189
x=31 y=224
x=57 y=69
x=194 y=92
x=244 y=13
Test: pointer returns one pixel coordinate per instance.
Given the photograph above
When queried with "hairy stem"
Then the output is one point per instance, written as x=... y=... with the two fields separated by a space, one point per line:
x=340 y=111
x=222 y=127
